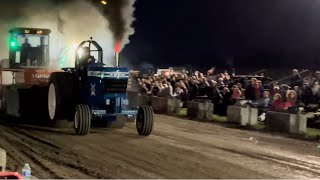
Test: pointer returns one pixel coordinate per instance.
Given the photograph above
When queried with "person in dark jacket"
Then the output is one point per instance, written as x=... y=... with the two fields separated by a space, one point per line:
x=226 y=101
x=250 y=91
x=307 y=94
x=25 y=51
x=296 y=79
x=155 y=89
x=194 y=90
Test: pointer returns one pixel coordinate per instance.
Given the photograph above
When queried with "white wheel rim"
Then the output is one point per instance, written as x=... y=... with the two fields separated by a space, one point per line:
x=52 y=102
x=76 y=119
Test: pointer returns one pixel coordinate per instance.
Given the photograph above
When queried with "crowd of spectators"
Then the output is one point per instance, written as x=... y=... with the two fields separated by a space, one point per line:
x=224 y=90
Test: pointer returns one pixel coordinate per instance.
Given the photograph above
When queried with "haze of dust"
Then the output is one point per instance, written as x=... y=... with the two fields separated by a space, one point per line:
x=81 y=21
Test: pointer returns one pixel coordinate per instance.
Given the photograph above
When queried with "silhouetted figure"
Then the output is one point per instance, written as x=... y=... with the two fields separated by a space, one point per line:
x=25 y=51
x=85 y=60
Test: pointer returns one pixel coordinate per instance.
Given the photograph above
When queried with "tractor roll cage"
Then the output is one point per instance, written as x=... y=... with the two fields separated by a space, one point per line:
x=95 y=44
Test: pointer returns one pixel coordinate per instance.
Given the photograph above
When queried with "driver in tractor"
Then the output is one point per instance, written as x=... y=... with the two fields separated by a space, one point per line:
x=84 y=62
x=86 y=59
x=25 y=51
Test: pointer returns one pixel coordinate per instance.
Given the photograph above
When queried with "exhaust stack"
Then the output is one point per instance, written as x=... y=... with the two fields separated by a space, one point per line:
x=116 y=54
x=117 y=48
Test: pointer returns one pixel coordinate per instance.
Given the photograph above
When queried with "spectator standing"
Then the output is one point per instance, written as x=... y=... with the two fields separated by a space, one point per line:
x=193 y=90
x=259 y=89
x=310 y=79
x=226 y=100
x=220 y=83
x=155 y=89
x=251 y=90
x=296 y=79
x=143 y=88
x=216 y=95
x=306 y=94
x=236 y=94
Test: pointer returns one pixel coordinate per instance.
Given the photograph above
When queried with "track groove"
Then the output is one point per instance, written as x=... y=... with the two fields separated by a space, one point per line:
x=54 y=157
x=176 y=149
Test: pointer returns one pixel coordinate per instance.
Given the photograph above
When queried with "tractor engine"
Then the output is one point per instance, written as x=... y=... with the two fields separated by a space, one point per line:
x=107 y=90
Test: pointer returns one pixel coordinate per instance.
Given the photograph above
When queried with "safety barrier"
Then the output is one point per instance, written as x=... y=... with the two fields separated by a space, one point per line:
x=3 y=160
x=144 y=100
x=174 y=105
x=242 y=115
x=165 y=105
x=159 y=105
x=285 y=122
x=200 y=110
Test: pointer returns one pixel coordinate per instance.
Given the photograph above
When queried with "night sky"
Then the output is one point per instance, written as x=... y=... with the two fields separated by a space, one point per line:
x=229 y=32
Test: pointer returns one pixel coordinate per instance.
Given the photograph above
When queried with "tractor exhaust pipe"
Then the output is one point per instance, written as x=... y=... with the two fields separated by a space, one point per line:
x=116 y=59
x=117 y=49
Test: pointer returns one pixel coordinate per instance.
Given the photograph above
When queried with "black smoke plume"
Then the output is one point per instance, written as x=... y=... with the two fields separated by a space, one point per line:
x=120 y=15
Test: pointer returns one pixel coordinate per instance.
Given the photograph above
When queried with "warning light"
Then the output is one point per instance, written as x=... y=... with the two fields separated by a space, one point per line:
x=39 y=32
x=104 y=2
x=13 y=44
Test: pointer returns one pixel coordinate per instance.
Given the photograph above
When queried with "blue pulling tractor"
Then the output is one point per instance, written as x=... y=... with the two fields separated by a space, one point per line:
x=93 y=91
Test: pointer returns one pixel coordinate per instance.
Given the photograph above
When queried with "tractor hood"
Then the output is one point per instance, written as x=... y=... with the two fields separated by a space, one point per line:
x=108 y=72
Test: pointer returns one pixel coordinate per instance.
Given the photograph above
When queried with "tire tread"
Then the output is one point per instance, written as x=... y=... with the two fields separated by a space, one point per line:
x=84 y=121
x=147 y=122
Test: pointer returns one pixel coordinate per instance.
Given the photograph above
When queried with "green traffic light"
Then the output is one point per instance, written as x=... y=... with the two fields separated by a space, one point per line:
x=13 y=44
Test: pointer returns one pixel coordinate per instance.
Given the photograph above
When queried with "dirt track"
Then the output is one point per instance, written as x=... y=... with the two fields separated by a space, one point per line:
x=177 y=149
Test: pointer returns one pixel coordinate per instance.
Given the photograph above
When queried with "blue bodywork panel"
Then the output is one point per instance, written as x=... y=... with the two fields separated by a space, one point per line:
x=104 y=90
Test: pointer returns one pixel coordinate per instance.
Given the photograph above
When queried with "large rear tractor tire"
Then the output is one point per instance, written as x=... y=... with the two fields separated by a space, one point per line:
x=33 y=104
x=144 y=122
x=82 y=120
x=62 y=95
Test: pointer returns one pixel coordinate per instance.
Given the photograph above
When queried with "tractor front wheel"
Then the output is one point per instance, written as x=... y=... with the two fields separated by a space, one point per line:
x=82 y=120
x=144 y=122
